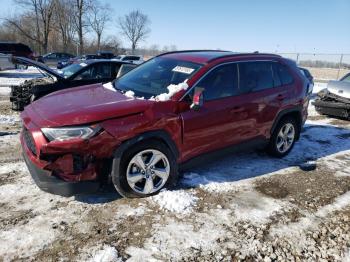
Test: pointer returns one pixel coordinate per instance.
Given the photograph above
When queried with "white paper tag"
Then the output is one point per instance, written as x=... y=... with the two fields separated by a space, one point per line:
x=83 y=64
x=184 y=70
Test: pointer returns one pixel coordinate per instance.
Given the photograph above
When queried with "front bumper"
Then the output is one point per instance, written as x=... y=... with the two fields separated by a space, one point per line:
x=332 y=108
x=51 y=184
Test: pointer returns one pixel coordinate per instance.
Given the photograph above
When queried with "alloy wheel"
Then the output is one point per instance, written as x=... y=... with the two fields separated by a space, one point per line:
x=285 y=138
x=148 y=171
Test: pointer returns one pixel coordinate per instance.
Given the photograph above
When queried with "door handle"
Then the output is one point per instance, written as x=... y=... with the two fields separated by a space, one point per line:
x=237 y=109
x=280 y=97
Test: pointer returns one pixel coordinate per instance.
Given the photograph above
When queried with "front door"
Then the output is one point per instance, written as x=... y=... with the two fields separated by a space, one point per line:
x=218 y=122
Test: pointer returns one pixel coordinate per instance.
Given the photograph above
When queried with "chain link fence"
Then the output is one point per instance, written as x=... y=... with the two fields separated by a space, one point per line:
x=323 y=67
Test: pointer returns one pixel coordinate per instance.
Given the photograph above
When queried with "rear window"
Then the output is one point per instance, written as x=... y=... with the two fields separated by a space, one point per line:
x=256 y=76
x=282 y=72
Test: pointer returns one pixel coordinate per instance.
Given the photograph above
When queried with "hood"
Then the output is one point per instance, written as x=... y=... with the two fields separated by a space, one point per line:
x=339 y=88
x=41 y=66
x=82 y=105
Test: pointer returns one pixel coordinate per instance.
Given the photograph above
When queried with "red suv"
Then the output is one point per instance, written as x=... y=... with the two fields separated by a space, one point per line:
x=139 y=130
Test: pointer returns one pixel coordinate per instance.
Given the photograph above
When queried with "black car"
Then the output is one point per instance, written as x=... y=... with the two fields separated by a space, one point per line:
x=105 y=54
x=79 y=74
x=51 y=59
x=16 y=49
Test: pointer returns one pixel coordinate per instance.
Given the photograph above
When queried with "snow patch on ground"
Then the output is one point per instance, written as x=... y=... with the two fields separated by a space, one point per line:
x=9 y=120
x=255 y=207
x=166 y=238
x=179 y=201
x=125 y=211
x=106 y=254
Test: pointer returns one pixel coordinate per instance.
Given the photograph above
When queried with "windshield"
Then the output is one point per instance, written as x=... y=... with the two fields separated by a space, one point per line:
x=153 y=78
x=71 y=69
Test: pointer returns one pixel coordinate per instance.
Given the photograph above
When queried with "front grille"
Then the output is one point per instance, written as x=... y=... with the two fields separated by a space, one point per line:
x=28 y=139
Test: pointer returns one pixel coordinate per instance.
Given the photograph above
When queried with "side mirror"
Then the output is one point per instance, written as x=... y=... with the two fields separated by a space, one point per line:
x=197 y=101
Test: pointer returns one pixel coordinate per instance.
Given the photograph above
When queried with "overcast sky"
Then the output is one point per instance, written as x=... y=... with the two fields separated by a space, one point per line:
x=241 y=25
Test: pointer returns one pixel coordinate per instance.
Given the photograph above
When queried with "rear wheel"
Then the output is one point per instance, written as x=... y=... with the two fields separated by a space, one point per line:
x=283 y=137
x=145 y=169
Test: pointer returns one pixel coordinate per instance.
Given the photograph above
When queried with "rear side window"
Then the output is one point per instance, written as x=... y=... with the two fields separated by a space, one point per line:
x=283 y=74
x=256 y=76
x=221 y=82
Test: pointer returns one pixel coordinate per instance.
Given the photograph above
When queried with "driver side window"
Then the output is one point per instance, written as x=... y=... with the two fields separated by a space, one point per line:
x=221 y=82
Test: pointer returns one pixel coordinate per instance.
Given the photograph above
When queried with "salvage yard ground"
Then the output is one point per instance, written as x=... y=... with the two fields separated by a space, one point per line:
x=246 y=206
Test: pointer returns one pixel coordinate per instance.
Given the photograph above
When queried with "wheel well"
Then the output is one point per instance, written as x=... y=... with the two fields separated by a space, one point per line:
x=293 y=114
x=159 y=136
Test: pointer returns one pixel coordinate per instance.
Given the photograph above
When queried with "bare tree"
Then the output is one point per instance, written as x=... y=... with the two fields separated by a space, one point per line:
x=64 y=22
x=40 y=14
x=100 y=15
x=81 y=9
x=135 y=27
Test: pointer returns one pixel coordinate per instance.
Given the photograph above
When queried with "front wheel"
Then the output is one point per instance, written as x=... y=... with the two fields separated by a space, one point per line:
x=145 y=169
x=283 y=138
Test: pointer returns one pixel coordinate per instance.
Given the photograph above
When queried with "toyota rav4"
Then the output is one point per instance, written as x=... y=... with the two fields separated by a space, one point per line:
x=138 y=131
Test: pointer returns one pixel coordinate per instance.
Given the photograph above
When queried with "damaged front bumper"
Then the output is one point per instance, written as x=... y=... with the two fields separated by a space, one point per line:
x=67 y=168
x=333 y=105
x=54 y=185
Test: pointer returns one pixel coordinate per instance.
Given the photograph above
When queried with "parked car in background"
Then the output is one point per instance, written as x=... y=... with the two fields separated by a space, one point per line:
x=90 y=56
x=335 y=99
x=6 y=61
x=138 y=131
x=105 y=54
x=308 y=75
x=51 y=59
x=125 y=68
x=130 y=58
x=62 y=64
x=16 y=49
x=84 y=73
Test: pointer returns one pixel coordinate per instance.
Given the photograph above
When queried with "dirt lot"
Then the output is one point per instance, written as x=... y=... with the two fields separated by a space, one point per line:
x=325 y=74
x=245 y=207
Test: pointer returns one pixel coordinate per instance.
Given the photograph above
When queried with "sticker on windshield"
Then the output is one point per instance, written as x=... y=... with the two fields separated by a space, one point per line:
x=83 y=64
x=184 y=70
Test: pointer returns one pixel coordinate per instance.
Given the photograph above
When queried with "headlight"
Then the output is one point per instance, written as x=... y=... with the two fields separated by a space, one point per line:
x=66 y=133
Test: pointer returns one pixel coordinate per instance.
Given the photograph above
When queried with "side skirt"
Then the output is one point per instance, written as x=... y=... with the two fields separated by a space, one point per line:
x=256 y=143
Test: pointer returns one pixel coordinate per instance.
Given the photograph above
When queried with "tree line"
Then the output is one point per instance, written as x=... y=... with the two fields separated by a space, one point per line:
x=76 y=26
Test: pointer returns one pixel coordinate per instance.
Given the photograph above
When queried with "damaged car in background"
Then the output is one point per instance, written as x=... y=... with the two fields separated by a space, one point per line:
x=335 y=99
x=84 y=73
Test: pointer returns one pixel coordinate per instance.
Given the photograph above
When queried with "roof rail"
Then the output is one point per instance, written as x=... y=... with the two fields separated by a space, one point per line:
x=190 y=51
x=256 y=53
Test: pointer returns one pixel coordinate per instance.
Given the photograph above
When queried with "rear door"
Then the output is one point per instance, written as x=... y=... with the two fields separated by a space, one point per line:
x=263 y=93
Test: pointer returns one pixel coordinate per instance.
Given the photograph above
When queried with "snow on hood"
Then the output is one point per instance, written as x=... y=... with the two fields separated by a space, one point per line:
x=339 y=88
x=173 y=89
x=130 y=94
x=109 y=86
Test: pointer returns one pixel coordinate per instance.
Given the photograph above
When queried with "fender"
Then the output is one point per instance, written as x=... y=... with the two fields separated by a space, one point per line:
x=157 y=134
x=296 y=109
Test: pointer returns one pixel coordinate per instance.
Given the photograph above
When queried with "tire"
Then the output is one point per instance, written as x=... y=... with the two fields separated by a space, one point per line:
x=125 y=169
x=275 y=148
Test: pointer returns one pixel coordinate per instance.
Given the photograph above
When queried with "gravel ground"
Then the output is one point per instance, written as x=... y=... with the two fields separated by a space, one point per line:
x=244 y=207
